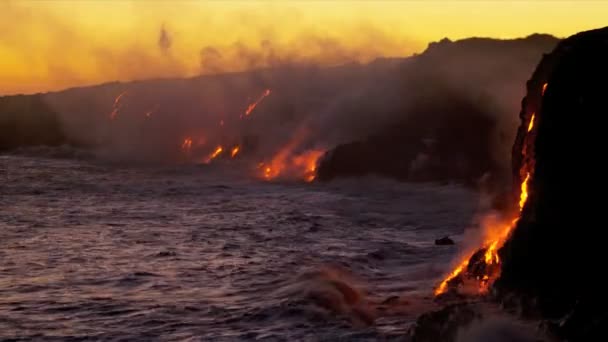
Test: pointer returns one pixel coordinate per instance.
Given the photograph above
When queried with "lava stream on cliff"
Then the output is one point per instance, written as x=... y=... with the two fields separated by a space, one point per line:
x=235 y=150
x=483 y=265
x=218 y=150
x=116 y=105
x=252 y=106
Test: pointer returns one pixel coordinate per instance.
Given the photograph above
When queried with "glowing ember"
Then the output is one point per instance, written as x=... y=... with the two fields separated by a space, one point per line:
x=235 y=151
x=252 y=106
x=214 y=155
x=544 y=88
x=116 y=105
x=531 y=124
x=187 y=145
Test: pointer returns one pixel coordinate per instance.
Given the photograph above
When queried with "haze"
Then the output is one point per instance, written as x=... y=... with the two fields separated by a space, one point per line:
x=52 y=45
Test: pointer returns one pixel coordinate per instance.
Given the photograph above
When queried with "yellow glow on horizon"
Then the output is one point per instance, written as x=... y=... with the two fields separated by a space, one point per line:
x=49 y=45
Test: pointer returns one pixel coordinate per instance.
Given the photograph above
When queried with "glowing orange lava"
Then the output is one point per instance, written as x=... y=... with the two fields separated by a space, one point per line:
x=235 y=151
x=214 y=155
x=116 y=105
x=523 y=197
x=307 y=162
x=443 y=286
x=531 y=124
x=252 y=106
x=544 y=88
x=492 y=243
x=288 y=165
x=187 y=144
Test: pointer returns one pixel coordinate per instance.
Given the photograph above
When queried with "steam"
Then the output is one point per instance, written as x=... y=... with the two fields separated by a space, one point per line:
x=350 y=101
x=164 y=39
x=242 y=40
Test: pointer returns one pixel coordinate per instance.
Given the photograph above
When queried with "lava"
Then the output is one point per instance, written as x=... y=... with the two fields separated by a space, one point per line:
x=544 y=88
x=252 y=106
x=235 y=150
x=187 y=144
x=524 y=192
x=116 y=105
x=443 y=286
x=531 y=124
x=302 y=165
x=307 y=162
x=214 y=155
x=497 y=235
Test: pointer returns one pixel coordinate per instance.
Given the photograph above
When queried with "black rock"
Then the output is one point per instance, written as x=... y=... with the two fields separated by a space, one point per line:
x=165 y=254
x=444 y=241
x=556 y=254
x=443 y=325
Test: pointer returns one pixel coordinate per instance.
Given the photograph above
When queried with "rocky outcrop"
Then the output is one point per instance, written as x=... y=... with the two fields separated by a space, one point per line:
x=28 y=121
x=447 y=137
x=454 y=119
x=555 y=258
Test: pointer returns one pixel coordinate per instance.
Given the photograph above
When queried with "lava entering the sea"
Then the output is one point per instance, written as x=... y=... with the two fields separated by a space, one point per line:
x=482 y=267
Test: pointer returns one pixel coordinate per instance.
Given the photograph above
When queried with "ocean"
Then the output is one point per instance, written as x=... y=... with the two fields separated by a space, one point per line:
x=98 y=250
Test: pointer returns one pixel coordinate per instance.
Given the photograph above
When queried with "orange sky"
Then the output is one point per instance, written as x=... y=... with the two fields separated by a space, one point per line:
x=50 y=45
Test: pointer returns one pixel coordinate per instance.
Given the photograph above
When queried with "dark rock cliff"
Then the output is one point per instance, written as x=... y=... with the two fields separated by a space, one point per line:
x=28 y=121
x=454 y=122
x=556 y=256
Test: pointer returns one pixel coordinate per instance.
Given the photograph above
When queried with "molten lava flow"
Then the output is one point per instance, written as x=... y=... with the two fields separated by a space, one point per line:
x=307 y=162
x=486 y=269
x=523 y=197
x=214 y=155
x=443 y=286
x=252 y=106
x=187 y=145
x=116 y=105
x=544 y=88
x=285 y=164
x=498 y=234
x=531 y=124
x=235 y=151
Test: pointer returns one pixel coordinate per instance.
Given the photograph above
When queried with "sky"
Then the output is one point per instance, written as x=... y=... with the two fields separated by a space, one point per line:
x=48 y=45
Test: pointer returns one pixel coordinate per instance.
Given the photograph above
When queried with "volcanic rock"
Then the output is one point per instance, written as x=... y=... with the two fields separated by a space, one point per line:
x=442 y=325
x=28 y=121
x=556 y=255
x=444 y=241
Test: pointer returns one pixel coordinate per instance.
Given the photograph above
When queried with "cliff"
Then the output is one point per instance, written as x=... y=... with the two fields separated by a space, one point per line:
x=555 y=257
